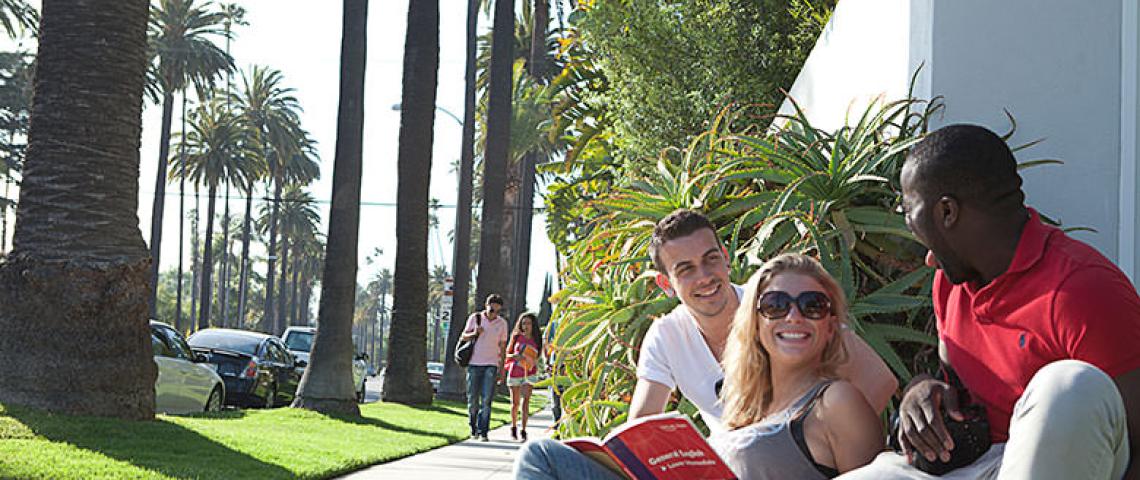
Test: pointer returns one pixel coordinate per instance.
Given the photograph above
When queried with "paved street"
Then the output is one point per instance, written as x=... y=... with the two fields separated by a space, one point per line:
x=466 y=460
x=372 y=388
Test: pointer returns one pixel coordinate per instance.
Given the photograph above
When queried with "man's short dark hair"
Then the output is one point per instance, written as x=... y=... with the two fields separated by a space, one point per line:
x=680 y=223
x=969 y=162
x=495 y=299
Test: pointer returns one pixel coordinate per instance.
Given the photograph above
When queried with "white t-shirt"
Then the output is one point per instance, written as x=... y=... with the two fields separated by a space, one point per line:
x=675 y=354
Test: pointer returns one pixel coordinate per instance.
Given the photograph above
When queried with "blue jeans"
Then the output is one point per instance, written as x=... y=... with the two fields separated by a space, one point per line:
x=550 y=459
x=480 y=392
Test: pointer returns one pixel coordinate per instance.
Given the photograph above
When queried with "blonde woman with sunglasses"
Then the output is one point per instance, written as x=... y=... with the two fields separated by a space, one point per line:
x=786 y=413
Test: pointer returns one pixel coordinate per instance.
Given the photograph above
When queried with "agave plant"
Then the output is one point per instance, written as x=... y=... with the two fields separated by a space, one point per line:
x=833 y=195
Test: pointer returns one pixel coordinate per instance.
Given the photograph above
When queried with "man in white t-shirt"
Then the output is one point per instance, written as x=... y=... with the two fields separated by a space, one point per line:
x=682 y=350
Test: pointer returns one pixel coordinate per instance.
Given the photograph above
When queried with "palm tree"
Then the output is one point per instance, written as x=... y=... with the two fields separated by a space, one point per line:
x=181 y=37
x=327 y=385
x=451 y=386
x=16 y=16
x=300 y=171
x=307 y=264
x=15 y=104
x=299 y=221
x=235 y=15
x=215 y=153
x=406 y=377
x=271 y=112
x=531 y=115
x=383 y=281
x=497 y=148
x=79 y=262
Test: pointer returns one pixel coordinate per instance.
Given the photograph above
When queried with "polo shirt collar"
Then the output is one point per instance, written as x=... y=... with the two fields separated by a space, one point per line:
x=1030 y=250
x=1031 y=246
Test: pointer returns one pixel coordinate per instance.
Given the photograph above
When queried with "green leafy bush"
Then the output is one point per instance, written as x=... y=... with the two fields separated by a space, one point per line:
x=797 y=188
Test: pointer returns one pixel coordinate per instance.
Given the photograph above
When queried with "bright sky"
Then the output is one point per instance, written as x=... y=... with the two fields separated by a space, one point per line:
x=302 y=39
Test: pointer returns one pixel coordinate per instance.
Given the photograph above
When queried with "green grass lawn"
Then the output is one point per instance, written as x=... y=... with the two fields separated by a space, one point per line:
x=262 y=444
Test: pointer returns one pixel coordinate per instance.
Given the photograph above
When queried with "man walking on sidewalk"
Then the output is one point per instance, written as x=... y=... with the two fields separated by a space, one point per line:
x=490 y=333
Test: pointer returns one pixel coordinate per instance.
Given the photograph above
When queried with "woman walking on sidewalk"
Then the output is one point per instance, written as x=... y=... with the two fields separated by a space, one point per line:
x=522 y=368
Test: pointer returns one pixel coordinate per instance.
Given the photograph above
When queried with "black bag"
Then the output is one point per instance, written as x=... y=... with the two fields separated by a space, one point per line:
x=465 y=348
x=971 y=436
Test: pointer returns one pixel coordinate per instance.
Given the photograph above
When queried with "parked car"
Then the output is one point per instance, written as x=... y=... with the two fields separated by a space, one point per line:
x=257 y=368
x=435 y=374
x=299 y=341
x=186 y=383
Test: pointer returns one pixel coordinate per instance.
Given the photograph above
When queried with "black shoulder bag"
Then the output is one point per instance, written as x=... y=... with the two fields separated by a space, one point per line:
x=465 y=348
x=971 y=436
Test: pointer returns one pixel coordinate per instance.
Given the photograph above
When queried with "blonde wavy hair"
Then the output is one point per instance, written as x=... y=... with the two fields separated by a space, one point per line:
x=747 y=392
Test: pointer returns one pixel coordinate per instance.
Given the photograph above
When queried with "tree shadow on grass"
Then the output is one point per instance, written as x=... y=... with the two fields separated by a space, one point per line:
x=160 y=446
x=375 y=422
x=230 y=414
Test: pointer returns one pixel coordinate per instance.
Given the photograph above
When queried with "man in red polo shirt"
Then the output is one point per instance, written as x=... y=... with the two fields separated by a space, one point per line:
x=1042 y=330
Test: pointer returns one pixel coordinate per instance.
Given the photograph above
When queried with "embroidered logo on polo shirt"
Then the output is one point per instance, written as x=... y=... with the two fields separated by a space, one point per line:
x=1021 y=340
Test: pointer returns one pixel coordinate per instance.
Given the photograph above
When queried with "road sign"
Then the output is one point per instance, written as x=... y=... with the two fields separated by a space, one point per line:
x=448 y=295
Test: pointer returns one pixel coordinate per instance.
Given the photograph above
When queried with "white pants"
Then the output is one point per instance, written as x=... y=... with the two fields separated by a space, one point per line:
x=1069 y=424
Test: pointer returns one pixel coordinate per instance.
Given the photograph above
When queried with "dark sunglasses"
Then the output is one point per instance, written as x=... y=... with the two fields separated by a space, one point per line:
x=776 y=305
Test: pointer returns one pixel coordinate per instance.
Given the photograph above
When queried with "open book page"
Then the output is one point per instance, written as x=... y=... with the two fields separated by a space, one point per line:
x=665 y=446
x=597 y=452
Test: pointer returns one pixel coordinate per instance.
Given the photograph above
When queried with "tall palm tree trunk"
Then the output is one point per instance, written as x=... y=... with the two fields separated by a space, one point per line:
x=307 y=298
x=270 y=318
x=508 y=247
x=224 y=276
x=327 y=383
x=243 y=277
x=195 y=267
x=406 y=377
x=181 y=217
x=4 y=212
x=524 y=215
x=452 y=386
x=380 y=350
x=79 y=263
x=283 y=287
x=498 y=141
x=208 y=261
x=294 y=317
x=536 y=64
x=160 y=195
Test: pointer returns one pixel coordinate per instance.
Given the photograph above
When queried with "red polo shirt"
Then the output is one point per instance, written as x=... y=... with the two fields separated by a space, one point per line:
x=1059 y=299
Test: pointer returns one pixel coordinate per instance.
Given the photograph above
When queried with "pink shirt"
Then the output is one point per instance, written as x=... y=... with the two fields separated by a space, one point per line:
x=528 y=366
x=487 y=351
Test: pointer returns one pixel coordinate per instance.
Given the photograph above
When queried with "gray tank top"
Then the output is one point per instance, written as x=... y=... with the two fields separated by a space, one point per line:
x=767 y=450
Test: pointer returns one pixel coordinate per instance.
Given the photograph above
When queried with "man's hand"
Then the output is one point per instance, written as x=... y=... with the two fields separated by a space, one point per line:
x=921 y=429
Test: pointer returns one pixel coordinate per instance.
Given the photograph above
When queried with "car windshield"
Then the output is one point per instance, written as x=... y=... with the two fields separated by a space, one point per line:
x=225 y=341
x=299 y=341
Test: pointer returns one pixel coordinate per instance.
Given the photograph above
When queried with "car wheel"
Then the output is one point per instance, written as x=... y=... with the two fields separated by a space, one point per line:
x=214 y=403
x=271 y=397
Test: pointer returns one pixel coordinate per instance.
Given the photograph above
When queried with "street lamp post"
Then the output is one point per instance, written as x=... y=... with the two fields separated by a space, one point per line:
x=396 y=107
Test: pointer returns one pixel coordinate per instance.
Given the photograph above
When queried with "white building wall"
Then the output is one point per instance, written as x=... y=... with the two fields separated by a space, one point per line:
x=1055 y=65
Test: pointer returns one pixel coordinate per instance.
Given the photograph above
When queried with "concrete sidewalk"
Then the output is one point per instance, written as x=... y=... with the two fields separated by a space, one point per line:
x=466 y=460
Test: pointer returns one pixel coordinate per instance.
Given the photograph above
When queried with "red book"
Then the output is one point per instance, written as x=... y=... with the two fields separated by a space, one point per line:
x=666 y=446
